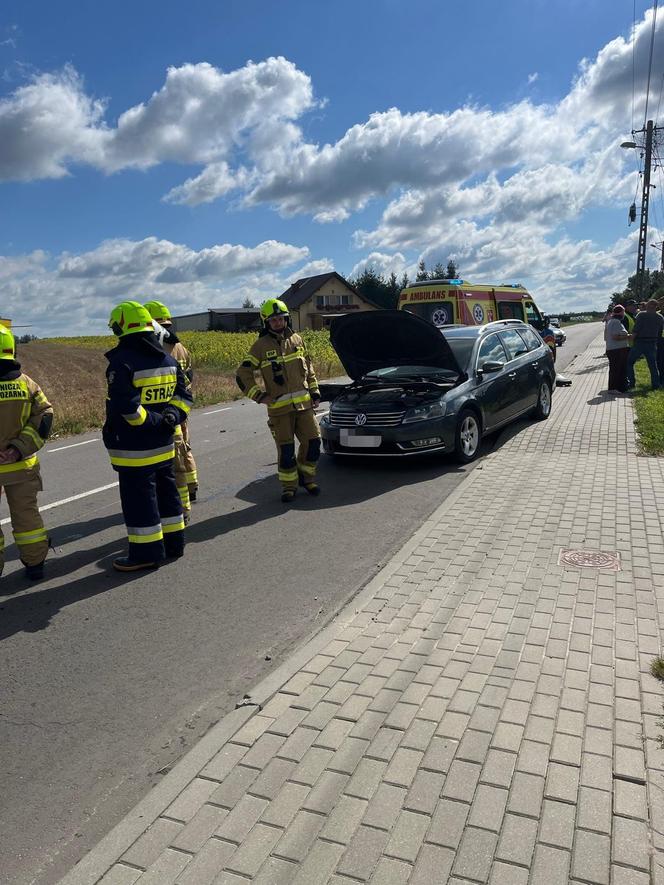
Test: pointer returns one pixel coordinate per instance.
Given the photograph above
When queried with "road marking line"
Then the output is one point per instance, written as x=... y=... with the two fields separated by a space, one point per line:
x=73 y=445
x=214 y=411
x=111 y=485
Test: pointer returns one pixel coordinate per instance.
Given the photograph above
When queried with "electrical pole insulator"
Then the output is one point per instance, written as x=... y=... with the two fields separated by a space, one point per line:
x=632 y=213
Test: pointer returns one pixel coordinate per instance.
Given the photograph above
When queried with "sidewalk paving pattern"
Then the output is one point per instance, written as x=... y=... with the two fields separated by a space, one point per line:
x=484 y=714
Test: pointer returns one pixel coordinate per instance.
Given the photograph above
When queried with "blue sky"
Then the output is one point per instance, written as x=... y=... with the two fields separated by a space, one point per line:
x=206 y=152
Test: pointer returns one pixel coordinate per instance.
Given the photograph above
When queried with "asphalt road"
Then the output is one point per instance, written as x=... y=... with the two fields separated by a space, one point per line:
x=106 y=680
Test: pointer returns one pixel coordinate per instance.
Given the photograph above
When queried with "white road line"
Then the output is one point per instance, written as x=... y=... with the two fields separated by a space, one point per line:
x=73 y=445
x=214 y=411
x=111 y=485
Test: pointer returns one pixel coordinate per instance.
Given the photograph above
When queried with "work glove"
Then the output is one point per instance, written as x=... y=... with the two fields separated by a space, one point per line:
x=170 y=418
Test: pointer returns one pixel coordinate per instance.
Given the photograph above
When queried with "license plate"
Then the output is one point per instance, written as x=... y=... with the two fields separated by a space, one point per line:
x=355 y=440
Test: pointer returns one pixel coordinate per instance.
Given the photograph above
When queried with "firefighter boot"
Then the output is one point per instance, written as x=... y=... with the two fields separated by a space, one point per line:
x=127 y=564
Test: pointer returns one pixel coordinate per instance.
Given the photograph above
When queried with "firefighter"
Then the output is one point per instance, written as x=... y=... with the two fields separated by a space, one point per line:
x=547 y=336
x=148 y=397
x=186 y=475
x=291 y=394
x=26 y=417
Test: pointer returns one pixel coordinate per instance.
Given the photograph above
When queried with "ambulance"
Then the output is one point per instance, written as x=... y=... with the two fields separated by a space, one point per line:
x=450 y=302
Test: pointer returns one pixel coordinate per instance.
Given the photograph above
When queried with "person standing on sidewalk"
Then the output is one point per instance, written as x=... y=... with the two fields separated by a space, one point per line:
x=186 y=474
x=26 y=417
x=291 y=394
x=647 y=331
x=617 y=350
x=148 y=398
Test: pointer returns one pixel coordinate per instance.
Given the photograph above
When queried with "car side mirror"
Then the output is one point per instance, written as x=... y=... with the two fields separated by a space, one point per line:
x=492 y=366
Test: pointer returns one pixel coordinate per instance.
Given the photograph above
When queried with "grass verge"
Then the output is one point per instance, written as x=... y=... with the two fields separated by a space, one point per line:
x=649 y=408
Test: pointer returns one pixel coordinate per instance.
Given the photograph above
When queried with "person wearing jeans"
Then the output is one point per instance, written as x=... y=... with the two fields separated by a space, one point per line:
x=648 y=328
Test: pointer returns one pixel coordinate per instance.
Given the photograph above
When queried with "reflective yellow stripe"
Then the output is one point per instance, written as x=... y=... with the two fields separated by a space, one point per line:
x=174 y=526
x=181 y=404
x=33 y=537
x=177 y=433
x=183 y=492
x=191 y=476
x=291 y=399
x=154 y=377
x=251 y=393
x=136 y=418
x=250 y=358
x=25 y=464
x=141 y=460
x=286 y=475
x=40 y=398
x=145 y=539
x=305 y=468
x=34 y=436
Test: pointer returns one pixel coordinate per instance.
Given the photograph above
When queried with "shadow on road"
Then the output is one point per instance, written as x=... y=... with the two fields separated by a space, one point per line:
x=344 y=482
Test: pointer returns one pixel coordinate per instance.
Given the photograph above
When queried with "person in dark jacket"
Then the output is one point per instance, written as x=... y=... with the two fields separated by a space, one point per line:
x=148 y=397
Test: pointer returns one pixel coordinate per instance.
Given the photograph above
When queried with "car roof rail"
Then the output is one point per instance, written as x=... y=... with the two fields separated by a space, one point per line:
x=503 y=323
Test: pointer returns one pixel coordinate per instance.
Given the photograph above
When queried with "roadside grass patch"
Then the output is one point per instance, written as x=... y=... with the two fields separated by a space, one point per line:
x=657 y=668
x=71 y=371
x=649 y=408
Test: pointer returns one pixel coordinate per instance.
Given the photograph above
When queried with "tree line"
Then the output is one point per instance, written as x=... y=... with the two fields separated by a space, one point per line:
x=652 y=287
x=385 y=291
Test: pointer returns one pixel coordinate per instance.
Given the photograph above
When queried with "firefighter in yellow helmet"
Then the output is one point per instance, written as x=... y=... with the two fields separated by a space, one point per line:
x=26 y=417
x=290 y=394
x=186 y=475
x=148 y=398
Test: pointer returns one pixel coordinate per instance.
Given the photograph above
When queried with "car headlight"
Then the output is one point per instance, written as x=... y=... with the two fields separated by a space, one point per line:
x=425 y=413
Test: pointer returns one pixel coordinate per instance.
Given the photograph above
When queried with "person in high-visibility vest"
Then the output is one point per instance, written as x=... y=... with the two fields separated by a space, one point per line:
x=186 y=474
x=148 y=397
x=26 y=417
x=290 y=393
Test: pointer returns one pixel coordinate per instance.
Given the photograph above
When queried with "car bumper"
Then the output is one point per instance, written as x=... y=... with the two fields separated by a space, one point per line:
x=418 y=438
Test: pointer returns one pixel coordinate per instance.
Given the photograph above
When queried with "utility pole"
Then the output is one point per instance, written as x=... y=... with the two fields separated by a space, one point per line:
x=649 y=132
x=645 y=200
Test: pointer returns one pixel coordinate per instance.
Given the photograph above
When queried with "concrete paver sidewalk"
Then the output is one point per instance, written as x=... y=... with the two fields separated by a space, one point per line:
x=481 y=713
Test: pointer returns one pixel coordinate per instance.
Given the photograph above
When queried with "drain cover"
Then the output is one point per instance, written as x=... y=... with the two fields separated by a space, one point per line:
x=590 y=559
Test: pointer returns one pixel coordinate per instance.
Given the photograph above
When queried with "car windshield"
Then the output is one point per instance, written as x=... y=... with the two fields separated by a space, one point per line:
x=462 y=348
x=413 y=373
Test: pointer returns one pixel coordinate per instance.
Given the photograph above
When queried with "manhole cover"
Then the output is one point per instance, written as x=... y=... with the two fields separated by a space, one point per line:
x=590 y=559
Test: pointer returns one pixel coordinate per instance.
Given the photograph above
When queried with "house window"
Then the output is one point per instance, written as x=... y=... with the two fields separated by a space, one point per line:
x=344 y=299
x=322 y=300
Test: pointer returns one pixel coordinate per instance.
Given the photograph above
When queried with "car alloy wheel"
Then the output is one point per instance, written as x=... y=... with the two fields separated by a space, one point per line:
x=467 y=436
x=543 y=407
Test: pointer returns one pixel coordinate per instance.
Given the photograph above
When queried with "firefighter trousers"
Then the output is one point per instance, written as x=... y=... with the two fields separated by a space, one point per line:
x=29 y=532
x=285 y=429
x=152 y=512
x=186 y=475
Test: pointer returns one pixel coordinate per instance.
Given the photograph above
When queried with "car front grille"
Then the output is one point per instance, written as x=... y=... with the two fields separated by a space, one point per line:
x=374 y=419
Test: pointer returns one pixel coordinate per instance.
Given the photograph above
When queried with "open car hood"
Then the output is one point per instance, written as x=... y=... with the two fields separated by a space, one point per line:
x=378 y=339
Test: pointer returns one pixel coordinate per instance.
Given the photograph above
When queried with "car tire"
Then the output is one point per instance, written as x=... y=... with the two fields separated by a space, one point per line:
x=543 y=408
x=467 y=437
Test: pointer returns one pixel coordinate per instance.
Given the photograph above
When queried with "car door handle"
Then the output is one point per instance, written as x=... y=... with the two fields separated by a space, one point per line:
x=512 y=375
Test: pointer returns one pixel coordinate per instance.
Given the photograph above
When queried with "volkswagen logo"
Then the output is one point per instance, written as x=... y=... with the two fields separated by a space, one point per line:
x=360 y=419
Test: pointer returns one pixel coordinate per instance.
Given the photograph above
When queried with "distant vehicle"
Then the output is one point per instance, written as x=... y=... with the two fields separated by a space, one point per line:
x=418 y=389
x=448 y=302
x=555 y=321
x=559 y=335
